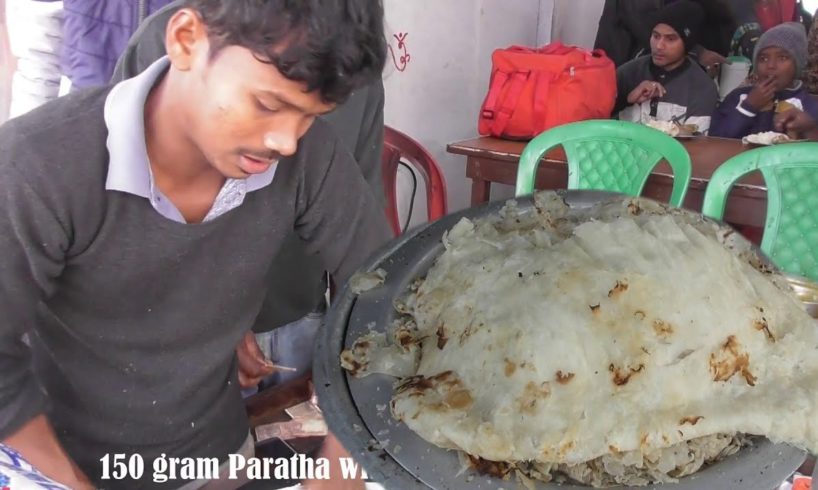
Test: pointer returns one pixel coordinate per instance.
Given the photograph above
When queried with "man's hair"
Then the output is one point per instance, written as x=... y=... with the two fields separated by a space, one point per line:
x=334 y=46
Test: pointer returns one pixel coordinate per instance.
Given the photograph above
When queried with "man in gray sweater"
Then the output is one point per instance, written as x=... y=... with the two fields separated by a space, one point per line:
x=138 y=225
x=292 y=311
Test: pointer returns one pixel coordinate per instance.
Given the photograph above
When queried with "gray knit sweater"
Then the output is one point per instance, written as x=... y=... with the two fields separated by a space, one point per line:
x=133 y=318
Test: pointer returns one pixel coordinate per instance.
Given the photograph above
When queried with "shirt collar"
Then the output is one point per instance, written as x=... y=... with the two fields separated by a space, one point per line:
x=128 y=166
x=792 y=91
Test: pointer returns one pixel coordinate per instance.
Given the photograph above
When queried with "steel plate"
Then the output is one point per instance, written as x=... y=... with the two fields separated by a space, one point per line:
x=357 y=409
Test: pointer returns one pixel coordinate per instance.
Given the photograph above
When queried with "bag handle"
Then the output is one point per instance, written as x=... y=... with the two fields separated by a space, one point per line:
x=599 y=53
x=520 y=49
x=557 y=48
x=499 y=110
x=498 y=80
x=542 y=90
x=596 y=57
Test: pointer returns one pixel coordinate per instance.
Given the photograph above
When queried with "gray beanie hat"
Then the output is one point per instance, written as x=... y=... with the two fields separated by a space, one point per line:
x=789 y=36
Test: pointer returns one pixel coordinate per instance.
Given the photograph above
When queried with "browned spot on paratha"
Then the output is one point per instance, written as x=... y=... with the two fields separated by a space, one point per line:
x=564 y=378
x=729 y=361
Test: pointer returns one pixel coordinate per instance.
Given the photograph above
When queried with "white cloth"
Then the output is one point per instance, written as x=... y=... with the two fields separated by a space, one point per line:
x=35 y=39
x=17 y=474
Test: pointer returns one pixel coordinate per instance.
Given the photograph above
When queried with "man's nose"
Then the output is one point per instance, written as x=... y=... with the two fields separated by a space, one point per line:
x=771 y=65
x=282 y=142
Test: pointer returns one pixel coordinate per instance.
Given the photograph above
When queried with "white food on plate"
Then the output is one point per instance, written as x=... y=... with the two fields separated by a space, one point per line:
x=667 y=127
x=766 y=138
x=364 y=281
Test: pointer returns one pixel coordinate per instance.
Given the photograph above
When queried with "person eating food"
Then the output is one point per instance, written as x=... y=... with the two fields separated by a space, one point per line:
x=777 y=100
x=666 y=85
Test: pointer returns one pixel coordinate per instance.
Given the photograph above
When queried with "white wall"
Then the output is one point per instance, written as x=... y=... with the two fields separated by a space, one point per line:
x=437 y=97
x=576 y=21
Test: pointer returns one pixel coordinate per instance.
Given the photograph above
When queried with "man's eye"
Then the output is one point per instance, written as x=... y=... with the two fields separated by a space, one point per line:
x=264 y=107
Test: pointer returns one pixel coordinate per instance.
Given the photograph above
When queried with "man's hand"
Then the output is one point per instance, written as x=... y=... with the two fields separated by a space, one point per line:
x=253 y=366
x=762 y=94
x=645 y=91
x=333 y=451
x=711 y=61
x=796 y=124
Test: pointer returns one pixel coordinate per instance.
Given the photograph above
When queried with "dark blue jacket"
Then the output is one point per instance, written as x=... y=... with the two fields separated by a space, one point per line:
x=734 y=118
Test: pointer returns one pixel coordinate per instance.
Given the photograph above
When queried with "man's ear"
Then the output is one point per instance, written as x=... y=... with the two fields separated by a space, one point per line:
x=186 y=39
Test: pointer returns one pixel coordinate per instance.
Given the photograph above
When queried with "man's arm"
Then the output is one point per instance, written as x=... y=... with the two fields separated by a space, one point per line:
x=337 y=215
x=341 y=221
x=37 y=443
x=733 y=118
x=626 y=81
x=33 y=242
x=369 y=148
x=703 y=104
x=623 y=28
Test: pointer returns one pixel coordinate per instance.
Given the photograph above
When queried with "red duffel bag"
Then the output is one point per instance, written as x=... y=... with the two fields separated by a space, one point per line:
x=532 y=90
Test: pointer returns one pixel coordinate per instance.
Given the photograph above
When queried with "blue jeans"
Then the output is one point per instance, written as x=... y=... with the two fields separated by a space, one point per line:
x=291 y=346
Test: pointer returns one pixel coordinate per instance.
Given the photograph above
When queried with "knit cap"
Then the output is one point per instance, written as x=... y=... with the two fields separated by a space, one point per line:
x=685 y=17
x=789 y=36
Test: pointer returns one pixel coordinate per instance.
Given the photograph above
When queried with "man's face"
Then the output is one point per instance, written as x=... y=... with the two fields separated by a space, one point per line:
x=243 y=114
x=776 y=63
x=666 y=47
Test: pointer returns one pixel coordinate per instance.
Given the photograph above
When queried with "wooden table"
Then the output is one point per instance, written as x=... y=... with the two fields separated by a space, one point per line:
x=491 y=160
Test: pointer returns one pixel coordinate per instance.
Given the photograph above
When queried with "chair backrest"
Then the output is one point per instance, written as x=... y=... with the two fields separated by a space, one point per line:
x=609 y=155
x=791 y=173
x=399 y=147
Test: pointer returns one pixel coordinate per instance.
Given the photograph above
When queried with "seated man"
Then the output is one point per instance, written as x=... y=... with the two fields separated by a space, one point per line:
x=292 y=311
x=778 y=63
x=666 y=85
x=138 y=224
x=625 y=26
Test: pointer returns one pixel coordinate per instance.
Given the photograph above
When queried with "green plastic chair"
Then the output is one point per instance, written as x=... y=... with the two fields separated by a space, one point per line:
x=615 y=156
x=791 y=174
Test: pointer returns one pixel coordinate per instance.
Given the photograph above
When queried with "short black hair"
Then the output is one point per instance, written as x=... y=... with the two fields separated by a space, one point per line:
x=334 y=46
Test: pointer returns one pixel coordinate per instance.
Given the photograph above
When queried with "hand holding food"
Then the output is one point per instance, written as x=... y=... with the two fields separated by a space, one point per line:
x=796 y=123
x=762 y=95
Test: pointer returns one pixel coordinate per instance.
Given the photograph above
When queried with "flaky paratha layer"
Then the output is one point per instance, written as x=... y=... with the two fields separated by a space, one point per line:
x=562 y=336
